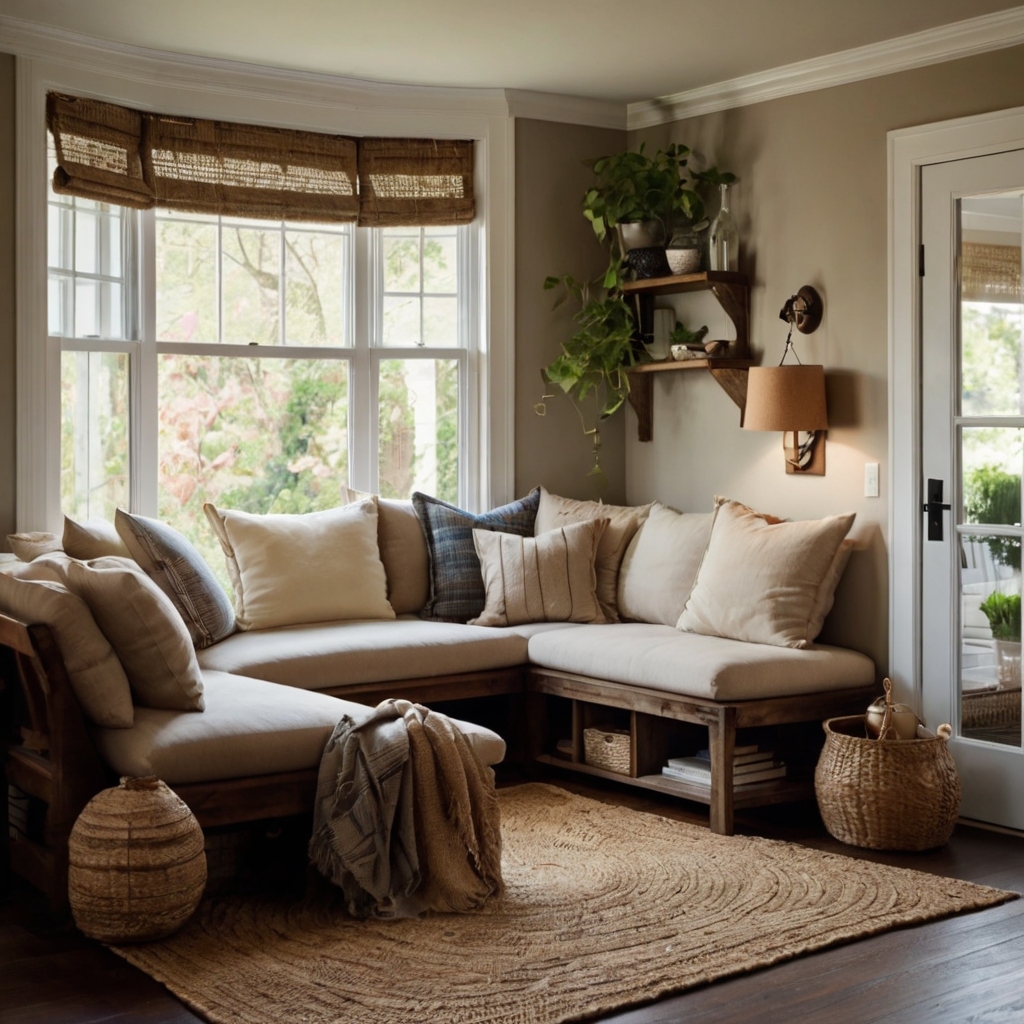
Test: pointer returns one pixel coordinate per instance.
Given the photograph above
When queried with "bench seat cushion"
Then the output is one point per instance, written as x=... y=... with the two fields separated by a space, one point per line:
x=324 y=655
x=250 y=727
x=711 y=667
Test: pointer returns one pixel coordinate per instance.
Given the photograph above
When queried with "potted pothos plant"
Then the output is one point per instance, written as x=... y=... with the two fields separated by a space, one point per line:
x=632 y=188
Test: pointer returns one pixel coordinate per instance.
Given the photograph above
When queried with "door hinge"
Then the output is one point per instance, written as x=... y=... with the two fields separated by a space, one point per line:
x=920 y=259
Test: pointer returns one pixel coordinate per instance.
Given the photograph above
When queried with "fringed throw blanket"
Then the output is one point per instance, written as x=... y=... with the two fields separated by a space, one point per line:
x=406 y=816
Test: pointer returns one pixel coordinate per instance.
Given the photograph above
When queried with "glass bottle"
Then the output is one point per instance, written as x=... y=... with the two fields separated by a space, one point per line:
x=723 y=237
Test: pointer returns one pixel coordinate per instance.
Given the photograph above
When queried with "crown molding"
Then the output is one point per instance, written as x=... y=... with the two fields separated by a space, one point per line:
x=933 y=46
x=231 y=77
x=549 y=106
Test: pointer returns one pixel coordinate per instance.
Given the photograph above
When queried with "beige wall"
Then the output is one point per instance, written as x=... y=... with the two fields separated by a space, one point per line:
x=552 y=238
x=6 y=298
x=811 y=208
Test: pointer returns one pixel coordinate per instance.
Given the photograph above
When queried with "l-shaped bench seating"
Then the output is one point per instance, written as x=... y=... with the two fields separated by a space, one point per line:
x=274 y=695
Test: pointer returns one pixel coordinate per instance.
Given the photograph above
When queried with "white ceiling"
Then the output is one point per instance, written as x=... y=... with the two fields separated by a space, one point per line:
x=605 y=49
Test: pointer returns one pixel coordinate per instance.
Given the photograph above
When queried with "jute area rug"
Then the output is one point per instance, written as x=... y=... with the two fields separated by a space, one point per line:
x=605 y=907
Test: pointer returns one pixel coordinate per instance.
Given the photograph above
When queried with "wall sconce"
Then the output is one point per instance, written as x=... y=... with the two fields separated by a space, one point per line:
x=792 y=398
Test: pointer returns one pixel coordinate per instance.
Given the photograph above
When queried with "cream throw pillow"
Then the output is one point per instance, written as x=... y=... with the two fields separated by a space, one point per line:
x=295 y=569
x=623 y=522
x=145 y=630
x=96 y=676
x=549 y=578
x=94 y=538
x=403 y=550
x=661 y=564
x=760 y=581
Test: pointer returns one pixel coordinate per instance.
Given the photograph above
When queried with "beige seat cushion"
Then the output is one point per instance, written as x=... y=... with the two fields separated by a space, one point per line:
x=761 y=581
x=249 y=727
x=662 y=658
x=146 y=632
x=315 y=567
x=403 y=550
x=661 y=564
x=96 y=675
x=547 y=578
x=333 y=654
x=623 y=521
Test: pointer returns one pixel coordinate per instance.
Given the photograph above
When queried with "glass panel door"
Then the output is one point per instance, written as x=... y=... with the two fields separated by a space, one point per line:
x=972 y=412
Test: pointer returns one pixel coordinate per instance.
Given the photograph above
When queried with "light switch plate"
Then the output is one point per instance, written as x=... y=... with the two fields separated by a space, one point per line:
x=870 y=479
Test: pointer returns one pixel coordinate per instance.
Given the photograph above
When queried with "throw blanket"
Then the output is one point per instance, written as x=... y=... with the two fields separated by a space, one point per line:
x=406 y=816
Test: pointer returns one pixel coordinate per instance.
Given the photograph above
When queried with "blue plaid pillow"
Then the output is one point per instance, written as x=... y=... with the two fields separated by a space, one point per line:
x=456 y=581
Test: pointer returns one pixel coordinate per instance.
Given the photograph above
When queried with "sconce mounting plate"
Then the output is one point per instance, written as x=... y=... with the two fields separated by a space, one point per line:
x=803 y=310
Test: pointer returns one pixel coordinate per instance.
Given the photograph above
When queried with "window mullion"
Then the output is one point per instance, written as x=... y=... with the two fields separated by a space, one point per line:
x=145 y=434
x=362 y=386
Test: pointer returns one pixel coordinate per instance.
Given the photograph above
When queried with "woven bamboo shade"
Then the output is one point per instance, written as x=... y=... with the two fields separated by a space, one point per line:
x=990 y=273
x=243 y=170
x=131 y=158
x=98 y=151
x=415 y=182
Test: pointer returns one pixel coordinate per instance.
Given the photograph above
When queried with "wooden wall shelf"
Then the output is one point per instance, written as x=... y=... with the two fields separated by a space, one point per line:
x=733 y=294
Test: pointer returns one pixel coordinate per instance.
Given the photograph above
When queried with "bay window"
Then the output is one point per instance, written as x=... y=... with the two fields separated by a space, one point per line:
x=257 y=364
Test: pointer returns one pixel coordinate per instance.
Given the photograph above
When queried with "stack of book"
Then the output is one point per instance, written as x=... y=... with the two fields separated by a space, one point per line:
x=750 y=764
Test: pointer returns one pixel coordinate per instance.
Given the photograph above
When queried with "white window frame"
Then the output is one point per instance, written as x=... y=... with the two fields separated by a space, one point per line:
x=910 y=149
x=227 y=91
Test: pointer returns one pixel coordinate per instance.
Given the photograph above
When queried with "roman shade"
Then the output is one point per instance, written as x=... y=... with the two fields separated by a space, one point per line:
x=415 y=182
x=113 y=154
x=990 y=273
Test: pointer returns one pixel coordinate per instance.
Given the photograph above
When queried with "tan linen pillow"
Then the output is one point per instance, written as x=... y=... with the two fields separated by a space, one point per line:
x=759 y=581
x=826 y=592
x=623 y=522
x=28 y=546
x=661 y=564
x=95 y=674
x=145 y=630
x=92 y=539
x=549 y=578
x=295 y=569
x=403 y=550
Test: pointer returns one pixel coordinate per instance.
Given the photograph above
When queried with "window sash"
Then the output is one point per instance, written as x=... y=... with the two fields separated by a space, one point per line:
x=364 y=358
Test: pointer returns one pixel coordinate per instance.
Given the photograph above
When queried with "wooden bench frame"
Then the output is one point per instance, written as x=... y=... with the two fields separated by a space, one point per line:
x=722 y=719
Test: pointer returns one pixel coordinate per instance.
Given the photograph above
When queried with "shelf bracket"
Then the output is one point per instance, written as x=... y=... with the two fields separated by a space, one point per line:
x=732 y=298
x=641 y=397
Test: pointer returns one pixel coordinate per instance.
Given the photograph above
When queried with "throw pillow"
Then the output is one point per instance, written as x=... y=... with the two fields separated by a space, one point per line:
x=623 y=522
x=548 y=578
x=28 y=546
x=660 y=564
x=96 y=676
x=456 y=584
x=145 y=630
x=295 y=569
x=171 y=561
x=403 y=550
x=760 y=581
x=92 y=539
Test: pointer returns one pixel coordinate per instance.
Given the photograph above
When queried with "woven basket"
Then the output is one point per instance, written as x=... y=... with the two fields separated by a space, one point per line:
x=137 y=865
x=990 y=709
x=607 y=749
x=886 y=794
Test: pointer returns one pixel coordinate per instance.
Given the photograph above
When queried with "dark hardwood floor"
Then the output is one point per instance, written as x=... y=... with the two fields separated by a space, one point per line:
x=963 y=969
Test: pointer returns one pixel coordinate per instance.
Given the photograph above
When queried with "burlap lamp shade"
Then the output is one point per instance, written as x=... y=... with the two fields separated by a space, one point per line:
x=786 y=398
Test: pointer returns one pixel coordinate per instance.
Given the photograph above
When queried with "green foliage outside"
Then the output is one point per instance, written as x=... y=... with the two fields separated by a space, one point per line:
x=992 y=496
x=1003 y=614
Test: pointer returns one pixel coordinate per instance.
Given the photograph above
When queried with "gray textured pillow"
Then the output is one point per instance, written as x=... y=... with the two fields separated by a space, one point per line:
x=456 y=583
x=171 y=561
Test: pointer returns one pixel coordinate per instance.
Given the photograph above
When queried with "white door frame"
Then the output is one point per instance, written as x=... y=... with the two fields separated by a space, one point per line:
x=909 y=150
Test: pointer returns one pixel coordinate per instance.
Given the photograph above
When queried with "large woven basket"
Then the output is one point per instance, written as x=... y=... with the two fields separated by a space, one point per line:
x=137 y=865
x=886 y=794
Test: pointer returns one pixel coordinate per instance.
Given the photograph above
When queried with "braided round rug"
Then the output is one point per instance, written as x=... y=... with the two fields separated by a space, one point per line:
x=605 y=907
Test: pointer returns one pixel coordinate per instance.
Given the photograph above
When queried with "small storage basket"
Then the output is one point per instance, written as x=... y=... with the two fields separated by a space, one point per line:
x=607 y=749
x=886 y=794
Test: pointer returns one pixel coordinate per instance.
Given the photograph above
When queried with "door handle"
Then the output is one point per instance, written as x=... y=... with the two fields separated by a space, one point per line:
x=935 y=507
